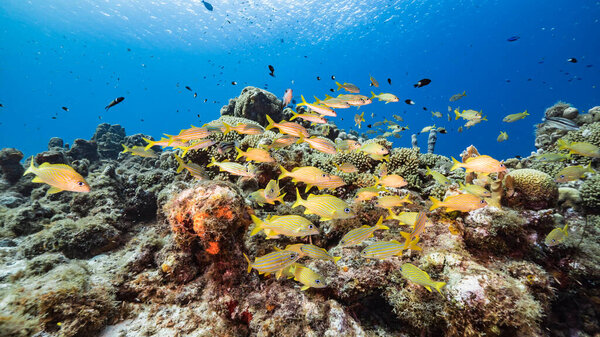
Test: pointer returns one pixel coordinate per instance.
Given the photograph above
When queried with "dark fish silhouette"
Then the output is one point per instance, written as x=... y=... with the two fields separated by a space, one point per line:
x=234 y=82
x=207 y=5
x=65 y=108
x=409 y=101
x=389 y=81
x=188 y=88
x=572 y=60
x=513 y=38
x=318 y=78
x=333 y=77
x=114 y=102
x=422 y=83
x=272 y=70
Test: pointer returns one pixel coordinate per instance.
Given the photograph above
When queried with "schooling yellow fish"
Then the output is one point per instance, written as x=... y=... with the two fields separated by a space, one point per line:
x=368 y=193
x=482 y=164
x=580 y=148
x=333 y=102
x=390 y=180
x=571 y=173
x=388 y=98
x=60 y=177
x=358 y=119
x=456 y=97
x=273 y=262
x=391 y=201
x=477 y=190
x=320 y=144
x=312 y=176
x=515 y=117
x=256 y=155
x=288 y=225
x=195 y=170
x=357 y=236
x=304 y=275
x=382 y=250
x=438 y=177
x=313 y=118
x=403 y=218
x=268 y=195
x=375 y=151
x=163 y=142
x=556 y=236
x=192 y=133
x=418 y=227
x=326 y=206
x=199 y=144
x=312 y=251
x=420 y=277
x=139 y=151
x=232 y=168
x=283 y=141
x=321 y=109
x=461 y=202
x=243 y=128
x=346 y=167
x=502 y=137
x=348 y=87
x=347 y=145
x=288 y=128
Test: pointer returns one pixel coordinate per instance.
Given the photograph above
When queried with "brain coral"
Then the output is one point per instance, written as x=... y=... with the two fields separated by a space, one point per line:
x=590 y=193
x=533 y=188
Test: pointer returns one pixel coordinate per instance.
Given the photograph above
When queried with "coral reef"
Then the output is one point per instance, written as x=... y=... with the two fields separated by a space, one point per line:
x=532 y=188
x=254 y=103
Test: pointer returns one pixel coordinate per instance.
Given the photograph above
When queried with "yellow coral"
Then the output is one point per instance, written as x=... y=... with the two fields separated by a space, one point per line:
x=535 y=185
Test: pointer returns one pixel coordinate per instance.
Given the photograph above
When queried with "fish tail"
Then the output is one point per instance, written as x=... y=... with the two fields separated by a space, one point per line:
x=562 y=144
x=227 y=128
x=392 y=215
x=589 y=168
x=386 y=157
x=298 y=199
x=125 y=148
x=271 y=123
x=258 y=222
x=339 y=86
x=464 y=94
x=280 y=198
x=303 y=101
x=438 y=286
x=295 y=115
x=150 y=143
x=249 y=263
x=239 y=152
x=377 y=181
x=181 y=163
x=31 y=168
x=372 y=95
x=436 y=203
x=284 y=173
x=406 y=237
x=300 y=140
x=566 y=230
x=213 y=162
x=317 y=100
x=412 y=245
x=428 y=171
x=525 y=113
x=336 y=259
x=456 y=164
x=171 y=139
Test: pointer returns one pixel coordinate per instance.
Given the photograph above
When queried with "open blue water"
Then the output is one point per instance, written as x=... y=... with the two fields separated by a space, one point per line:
x=76 y=54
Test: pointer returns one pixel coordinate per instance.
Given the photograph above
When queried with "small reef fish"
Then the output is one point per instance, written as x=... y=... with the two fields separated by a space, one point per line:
x=388 y=98
x=306 y=276
x=283 y=141
x=469 y=115
x=326 y=206
x=256 y=155
x=288 y=225
x=260 y=198
x=456 y=97
x=580 y=148
x=245 y=129
x=355 y=100
x=347 y=145
x=415 y=275
x=422 y=83
x=436 y=114
x=163 y=142
x=287 y=97
x=333 y=102
x=139 y=151
x=312 y=176
x=515 y=117
x=273 y=262
x=192 y=133
x=409 y=101
x=556 y=236
x=195 y=170
x=502 y=137
x=320 y=144
x=482 y=164
x=312 y=251
x=396 y=117
x=346 y=167
x=232 y=168
x=358 y=119
x=288 y=128
x=390 y=180
x=477 y=190
x=321 y=109
x=571 y=173
x=114 y=102
x=373 y=81
x=224 y=147
x=404 y=218
x=272 y=192
x=438 y=177
x=201 y=144
x=375 y=151
x=561 y=123
x=428 y=128
x=348 y=87
x=382 y=250
x=551 y=157
x=357 y=236
x=418 y=227
x=473 y=122
x=368 y=193
x=313 y=118
x=60 y=177
x=461 y=202
x=390 y=201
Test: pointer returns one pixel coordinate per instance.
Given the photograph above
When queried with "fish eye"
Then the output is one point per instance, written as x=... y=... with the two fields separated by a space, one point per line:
x=347 y=210
x=310 y=226
x=271 y=190
x=562 y=175
x=482 y=201
x=317 y=281
x=80 y=183
x=553 y=240
x=324 y=175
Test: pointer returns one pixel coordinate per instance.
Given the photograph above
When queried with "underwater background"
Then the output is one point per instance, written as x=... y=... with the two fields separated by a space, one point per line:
x=314 y=168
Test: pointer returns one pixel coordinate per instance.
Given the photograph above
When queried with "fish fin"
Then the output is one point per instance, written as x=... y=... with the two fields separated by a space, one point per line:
x=386 y=158
x=227 y=128
x=125 y=148
x=456 y=164
x=339 y=86
x=303 y=101
x=394 y=241
x=271 y=123
x=280 y=198
x=391 y=216
x=428 y=171
x=278 y=274
x=150 y=143
x=377 y=181
x=372 y=95
x=181 y=163
x=436 y=203
x=239 y=152
x=36 y=179
x=566 y=230
x=249 y=263
x=284 y=173
x=53 y=190
x=295 y=115
x=298 y=199
x=428 y=288
x=258 y=222
x=438 y=286
x=456 y=114
x=308 y=187
x=212 y=162
x=336 y=259
x=365 y=226
x=304 y=288
x=300 y=140
x=461 y=185
x=31 y=168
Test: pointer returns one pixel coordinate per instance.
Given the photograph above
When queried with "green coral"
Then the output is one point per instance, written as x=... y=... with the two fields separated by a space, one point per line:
x=590 y=193
x=405 y=162
x=550 y=168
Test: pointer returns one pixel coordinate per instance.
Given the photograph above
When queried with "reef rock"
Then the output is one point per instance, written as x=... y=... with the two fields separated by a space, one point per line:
x=109 y=139
x=10 y=164
x=254 y=103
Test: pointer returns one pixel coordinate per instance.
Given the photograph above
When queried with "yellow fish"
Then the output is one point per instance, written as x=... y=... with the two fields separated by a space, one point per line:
x=348 y=87
x=307 y=277
x=244 y=129
x=288 y=128
x=333 y=102
x=321 y=109
x=200 y=144
x=288 y=225
x=139 y=151
x=163 y=142
x=469 y=115
x=312 y=176
x=404 y=218
x=195 y=170
x=257 y=155
x=390 y=201
x=477 y=190
x=375 y=151
x=346 y=167
x=60 y=177
x=556 y=236
x=502 y=137
x=438 y=177
x=312 y=251
x=382 y=250
x=456 y=97
x=461 y=202
x=233 y=168
x=515 y=117
x=320 y=144
x=571 y=173
x=390 y=180
x=274 y=262
x=368 y=193
x=388 y=98
x=358 y=235
x=347 y=145
x=418 y=227
x=190 y=134
x=482 y=164
x=268 y=195
x=358 y=119
x=283 y=141
x=427 y=128
x=420 y=277
x=313 y=118
x=580 y=148
x=326 y=206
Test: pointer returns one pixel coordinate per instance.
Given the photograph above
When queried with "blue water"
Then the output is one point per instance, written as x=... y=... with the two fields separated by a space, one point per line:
x=56 y=53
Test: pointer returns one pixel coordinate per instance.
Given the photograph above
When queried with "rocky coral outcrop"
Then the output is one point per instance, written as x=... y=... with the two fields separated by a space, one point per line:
x=254 y=103
x=10 y=164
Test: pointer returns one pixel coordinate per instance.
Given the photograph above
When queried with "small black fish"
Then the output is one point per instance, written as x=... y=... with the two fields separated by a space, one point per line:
x=389 y=81
x=53 y=117
x=205 y=100
x=195 y=94
x=589 y=66
x=128 y=49
x=507 y=80
x=369 y=126
x=409 y=101
x=333 y=77
x=422 y=83
x=188 y=88
x=572 y=60
x=234 y=82
x=207 y=5
x=425 y=108
x=65 y=108
x=272 y=70
x=442 y=131
x=141 y=119
x=331 y=90
x=318 y=78
x=293 y=101
x=518 y=157
x=513 y=38
x=114 y=102
x=1 y=106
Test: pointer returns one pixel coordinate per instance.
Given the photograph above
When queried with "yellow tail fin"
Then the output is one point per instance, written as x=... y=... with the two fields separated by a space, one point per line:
x=239 y=152
x=31 y=168
x=249 y=263
x=438 y=286
x=125 y=148
x=284 y=173
x=298 y=199
x=456 y=164
x=181 y=163
x=258 y=222
x=339 y=86
x=271 y=123
x=150 y=143
x=336 y=259
x=436 y=203
x=213 y=162
x=227 y=128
